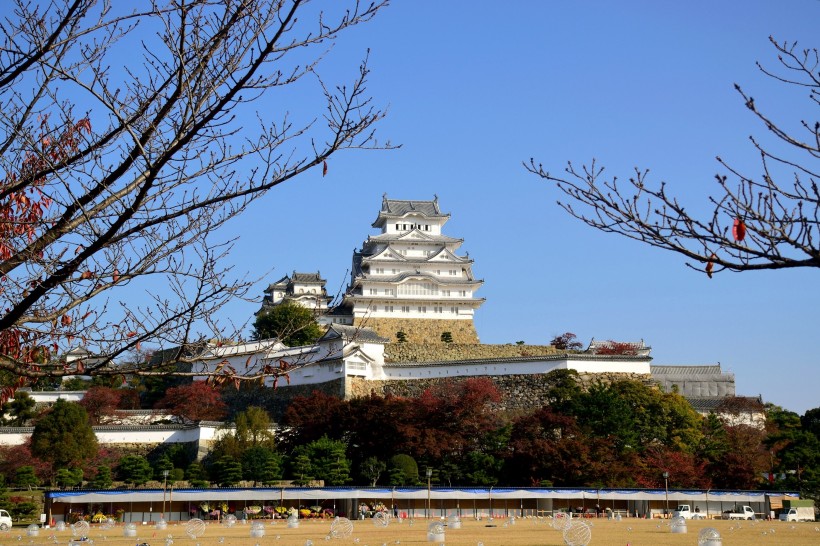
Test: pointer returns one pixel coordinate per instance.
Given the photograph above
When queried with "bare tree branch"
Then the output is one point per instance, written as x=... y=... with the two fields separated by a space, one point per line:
x=764 y=222
x=116 y=178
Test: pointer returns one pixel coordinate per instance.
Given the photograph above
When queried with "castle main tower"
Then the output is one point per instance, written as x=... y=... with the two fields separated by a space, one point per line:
x=409 y=278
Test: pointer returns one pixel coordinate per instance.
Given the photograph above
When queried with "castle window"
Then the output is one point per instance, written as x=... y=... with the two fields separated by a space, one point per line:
x=462 y=293
x=452 y=272
x=437 y=309
x=374 y=291
x=422 y=309
x=445 y=293
x=389 y=291
x=388 y=308
x=379 y=271
x=405 y=308
x=453 y=310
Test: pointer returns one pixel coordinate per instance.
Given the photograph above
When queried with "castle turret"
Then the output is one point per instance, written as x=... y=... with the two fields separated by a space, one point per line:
x=410 y=279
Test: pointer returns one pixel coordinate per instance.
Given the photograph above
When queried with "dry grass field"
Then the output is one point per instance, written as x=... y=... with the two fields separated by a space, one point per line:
x=524 y=532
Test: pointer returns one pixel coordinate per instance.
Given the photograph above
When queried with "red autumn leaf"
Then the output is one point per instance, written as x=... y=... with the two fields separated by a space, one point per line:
x=324 y=168
x=116 y=275
x=710 y=266
x=65 y=320
x=86 y=275
x=739 y=230
x=130 y=334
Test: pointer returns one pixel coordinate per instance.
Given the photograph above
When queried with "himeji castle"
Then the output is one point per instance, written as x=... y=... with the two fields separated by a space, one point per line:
x=409 y=282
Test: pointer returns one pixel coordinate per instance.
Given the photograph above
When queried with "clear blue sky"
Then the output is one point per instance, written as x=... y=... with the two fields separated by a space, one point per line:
x=475 y=88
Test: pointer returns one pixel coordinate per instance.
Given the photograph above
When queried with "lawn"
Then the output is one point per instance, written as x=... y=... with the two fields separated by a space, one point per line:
x=524 y=532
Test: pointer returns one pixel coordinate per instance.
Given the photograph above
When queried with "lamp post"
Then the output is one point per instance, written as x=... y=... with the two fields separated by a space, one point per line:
x=666 y=492
x=164 y=484
x=429 y=475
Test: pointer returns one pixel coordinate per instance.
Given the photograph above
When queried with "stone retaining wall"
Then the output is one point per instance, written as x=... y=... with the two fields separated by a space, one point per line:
x=435 y=352
x=422 y=330
x=519 y=393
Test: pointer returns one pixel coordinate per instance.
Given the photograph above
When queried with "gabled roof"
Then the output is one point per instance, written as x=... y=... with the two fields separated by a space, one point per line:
x=396 y=208
x=610 y=347
x=307 y=277
x=412 y=236
x=401 y=277
x=281 y=284
x=726 y=404
x=674 y=370
x=352 y=333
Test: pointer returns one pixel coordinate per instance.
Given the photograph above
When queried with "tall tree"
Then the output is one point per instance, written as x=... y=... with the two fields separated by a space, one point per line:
x=289 y=322
x=20 y=408
x=63 y=436
x=135 y=469
x=196 y=401
x=100 y=403
x=253 y=428
x=763 y=221
x=328 y=460
x=116 y=179
x=261 y=465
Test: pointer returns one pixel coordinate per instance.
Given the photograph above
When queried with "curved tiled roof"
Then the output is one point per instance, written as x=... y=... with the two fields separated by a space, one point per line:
x=357 y=333
x=403 y=238
x=397 y=208
x=686 y=370
x=410 y=274
x=513 y=359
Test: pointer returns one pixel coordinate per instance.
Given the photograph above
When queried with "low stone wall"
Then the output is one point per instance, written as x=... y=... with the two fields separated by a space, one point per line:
x=435 y=352
x=519 y=393
x=422 y=330
x=276 y=401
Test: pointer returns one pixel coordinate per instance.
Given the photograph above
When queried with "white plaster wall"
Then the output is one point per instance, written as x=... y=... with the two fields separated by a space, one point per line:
x=50 y=397
x=534 y=367
x=9 y=438
x=129 y=435
x=613 y=366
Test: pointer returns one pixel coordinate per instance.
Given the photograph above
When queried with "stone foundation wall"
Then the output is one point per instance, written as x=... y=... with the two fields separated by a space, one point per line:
x=422 y=330
x=519 y=393
x=435 y=352
x=276 y=401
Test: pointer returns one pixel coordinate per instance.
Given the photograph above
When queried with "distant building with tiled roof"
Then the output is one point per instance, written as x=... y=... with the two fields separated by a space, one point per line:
x=305 y=289
x=711 y=390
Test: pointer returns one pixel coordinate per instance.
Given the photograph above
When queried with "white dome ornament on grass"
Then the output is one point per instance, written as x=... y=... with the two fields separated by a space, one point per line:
x=435 y=532
x=257 y=529
x=381 y=519
x=709 y=536
x=33 y=530
x=341 y=528
x=162 y=525
x=229 y=520
x=293 y=520
x=130 y=530
x=577 y=533
x=453 y=522
x=80 y=529
x=561 y=520
x=195 y=528
x=678 y=524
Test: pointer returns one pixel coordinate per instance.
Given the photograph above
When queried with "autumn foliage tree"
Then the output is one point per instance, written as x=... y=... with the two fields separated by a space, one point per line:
x=115 y=177
x=765 y=220
x=196 y=401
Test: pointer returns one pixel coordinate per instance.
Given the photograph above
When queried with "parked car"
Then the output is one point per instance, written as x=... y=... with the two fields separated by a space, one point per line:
x=5 y=521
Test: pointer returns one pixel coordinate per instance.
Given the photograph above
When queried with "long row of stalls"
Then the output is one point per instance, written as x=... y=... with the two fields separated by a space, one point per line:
x=152 y=505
